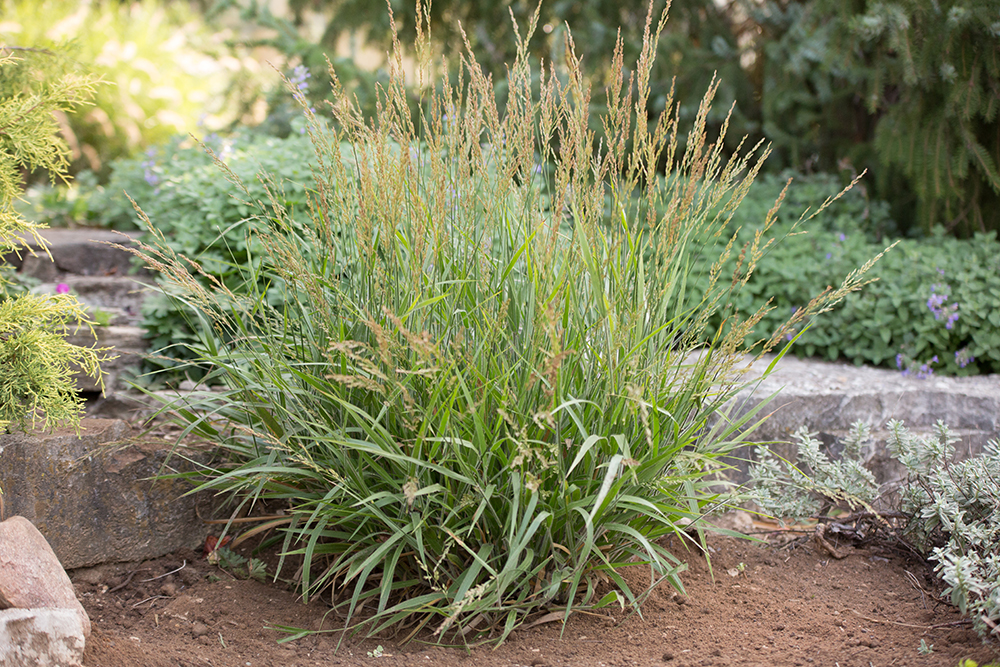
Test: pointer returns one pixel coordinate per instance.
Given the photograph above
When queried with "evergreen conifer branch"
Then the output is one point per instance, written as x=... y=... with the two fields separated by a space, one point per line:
x=38 y=363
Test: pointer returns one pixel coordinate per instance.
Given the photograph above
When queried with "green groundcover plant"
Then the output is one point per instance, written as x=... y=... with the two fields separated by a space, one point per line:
x=945 y=510
x=934 y=308
x=476 y=398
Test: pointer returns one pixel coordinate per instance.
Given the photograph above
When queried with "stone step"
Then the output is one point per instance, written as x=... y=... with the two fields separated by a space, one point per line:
x=119 y=296
x=104 y=279
x=129 y=346
x=829 y=397
x=82 y=252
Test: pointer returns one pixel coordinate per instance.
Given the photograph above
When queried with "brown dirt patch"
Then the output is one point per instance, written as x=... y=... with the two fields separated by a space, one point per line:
x=789 y=606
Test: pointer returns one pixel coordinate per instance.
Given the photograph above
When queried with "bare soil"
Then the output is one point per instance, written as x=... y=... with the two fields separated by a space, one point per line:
x=788 y=605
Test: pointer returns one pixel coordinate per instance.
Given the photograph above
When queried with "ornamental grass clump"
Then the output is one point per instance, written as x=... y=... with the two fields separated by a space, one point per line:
x=483 y=391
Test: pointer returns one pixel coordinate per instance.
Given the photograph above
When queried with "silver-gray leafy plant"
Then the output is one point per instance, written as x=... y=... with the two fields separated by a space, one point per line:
x=951 y=508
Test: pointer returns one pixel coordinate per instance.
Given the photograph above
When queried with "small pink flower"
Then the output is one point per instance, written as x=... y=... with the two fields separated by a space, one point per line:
x=62 y=288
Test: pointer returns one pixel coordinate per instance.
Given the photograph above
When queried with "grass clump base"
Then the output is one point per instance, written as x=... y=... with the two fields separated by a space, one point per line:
x=482 y=389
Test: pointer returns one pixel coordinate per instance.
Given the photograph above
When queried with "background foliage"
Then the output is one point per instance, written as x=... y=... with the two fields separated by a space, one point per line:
x=935 y=305
x=204 y=215
x=907 y=89
x=166 y=72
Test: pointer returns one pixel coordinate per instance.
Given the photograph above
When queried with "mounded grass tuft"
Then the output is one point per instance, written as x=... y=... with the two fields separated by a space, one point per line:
x=484 y=391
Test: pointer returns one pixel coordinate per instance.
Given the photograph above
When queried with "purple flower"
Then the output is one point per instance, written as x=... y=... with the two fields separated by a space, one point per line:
x=963 y=358
x=62 y=288
x=937 y=303
x=842 y=237
x=829 y=255
x=299 y=78
x=148 y=166
x=910 y=366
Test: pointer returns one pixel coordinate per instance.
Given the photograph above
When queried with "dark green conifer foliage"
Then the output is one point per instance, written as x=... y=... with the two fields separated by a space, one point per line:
x=932 y=79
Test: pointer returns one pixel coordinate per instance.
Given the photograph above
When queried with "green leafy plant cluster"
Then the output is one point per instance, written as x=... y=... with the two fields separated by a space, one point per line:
x=240 y=566
x=946 y=510
x=36 y=361
x=475 y=399
x=204 y=215
x=935 y=306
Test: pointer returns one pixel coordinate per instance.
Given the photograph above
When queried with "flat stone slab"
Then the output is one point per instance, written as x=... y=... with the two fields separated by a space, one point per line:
x=99 y=275
x=110 y=293
x=83 y=252
x=828 y=397
x=91 y=496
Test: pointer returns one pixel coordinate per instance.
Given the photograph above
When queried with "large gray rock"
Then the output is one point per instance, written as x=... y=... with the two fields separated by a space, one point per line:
x=91 y=495
x=31 y=575
x=41 y=638
x=828 y=397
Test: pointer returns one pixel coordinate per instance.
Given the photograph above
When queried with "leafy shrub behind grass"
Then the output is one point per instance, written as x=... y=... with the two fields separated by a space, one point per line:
x=474 y=399
x=204 y=215
x=850 y=212
x=935 y=305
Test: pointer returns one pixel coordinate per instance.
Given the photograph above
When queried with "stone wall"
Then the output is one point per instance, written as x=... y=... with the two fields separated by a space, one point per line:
x=91 y=496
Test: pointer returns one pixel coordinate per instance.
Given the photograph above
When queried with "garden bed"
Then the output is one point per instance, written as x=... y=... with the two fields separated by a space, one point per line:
x=785 y=605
